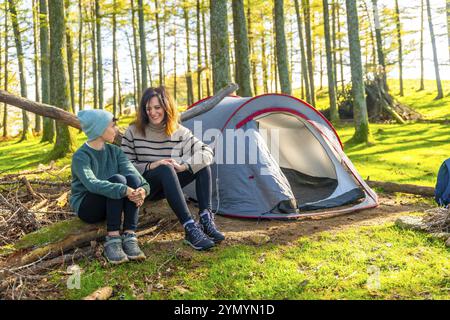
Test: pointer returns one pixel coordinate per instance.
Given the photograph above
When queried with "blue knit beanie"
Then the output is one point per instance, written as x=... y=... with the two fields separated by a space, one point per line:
x=94 y=122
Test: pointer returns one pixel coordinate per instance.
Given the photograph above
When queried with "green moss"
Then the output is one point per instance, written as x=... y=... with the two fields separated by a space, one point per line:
x=52 y=233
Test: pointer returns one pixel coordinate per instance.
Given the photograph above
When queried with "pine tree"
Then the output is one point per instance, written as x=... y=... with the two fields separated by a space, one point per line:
x=282 y=57
x=241 y=49
x=142 y=33
x=304 y=67
x=5 y=106
x=334 y=115
x=220 y=52
x=20 y=58
x=48 y=132
x=362 y=133
x=440 y=94
x=400 y=52
x=59 y=89
x=98 y=28
x=190 y=86
x=37 y=125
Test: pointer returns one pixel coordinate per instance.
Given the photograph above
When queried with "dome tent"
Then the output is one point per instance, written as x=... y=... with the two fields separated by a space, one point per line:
x=310 y=165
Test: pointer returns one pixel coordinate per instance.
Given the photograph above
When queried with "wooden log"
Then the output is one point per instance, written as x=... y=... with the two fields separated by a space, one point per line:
x=100 y=294
x=403 y=188
x=30 y=190
x=42 y=109
x=54 y=240
x=70 y=119
x=210 y=103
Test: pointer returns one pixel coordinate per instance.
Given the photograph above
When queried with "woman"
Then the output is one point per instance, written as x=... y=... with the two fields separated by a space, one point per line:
x=105 y=184
x=170 y=157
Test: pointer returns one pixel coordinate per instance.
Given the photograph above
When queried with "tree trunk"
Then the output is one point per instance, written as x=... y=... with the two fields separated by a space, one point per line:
x=85 y=46
x=70 y=63
x=341 y=61
x=334 y=115
x=309 y=53
x=205 y=48
x=241 y=49
x=302 y=52
x=399 y=39
x=114 y=57
x=1 y=66
x=175 y=61
x=282 y=57
x=48 y=132
x=133 y=69
x=372 y=36
x=334 y=44
x=119 y=88
x=94 y=61
x=199 y=53
x=362 y=132
x=142 y=34
x=448 y=27
x=440 y=94
x=80 y=57
x=5 y=105
x=158 y=37
x=381 y=63
x=190 y=86
x=274 y=57
x=252 y=48
x=422 y=86
x=220 y=56
x=98 y=29
x=58 y=83
x=264 y=57
x=136 y=55
x=37 y=125
x=20 y=58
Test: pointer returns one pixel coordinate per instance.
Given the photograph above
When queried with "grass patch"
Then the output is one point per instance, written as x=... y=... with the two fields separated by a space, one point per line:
x=410 y=153
x=381 y=262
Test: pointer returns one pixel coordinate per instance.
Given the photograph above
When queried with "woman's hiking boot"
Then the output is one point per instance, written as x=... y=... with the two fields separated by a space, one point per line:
x=209 y=227
x=196 y=238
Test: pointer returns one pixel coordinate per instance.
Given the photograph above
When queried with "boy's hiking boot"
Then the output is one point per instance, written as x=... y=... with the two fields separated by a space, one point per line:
x=113 y=250
x=131 y=247
x=196 y=238
x=209 y=227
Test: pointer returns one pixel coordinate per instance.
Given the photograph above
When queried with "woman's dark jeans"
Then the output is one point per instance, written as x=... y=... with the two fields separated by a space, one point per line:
x=165 y=182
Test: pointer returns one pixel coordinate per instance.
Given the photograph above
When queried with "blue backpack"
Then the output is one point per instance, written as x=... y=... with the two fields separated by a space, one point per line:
x=442 y=190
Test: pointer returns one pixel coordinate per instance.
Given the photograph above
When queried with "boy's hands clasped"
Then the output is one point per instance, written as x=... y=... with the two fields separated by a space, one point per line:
x=136 y=195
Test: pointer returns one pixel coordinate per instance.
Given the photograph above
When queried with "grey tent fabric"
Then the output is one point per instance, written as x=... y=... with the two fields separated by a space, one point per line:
x=255 y=178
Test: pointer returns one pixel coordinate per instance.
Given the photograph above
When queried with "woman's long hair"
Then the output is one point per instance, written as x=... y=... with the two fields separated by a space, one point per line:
x=172 y=116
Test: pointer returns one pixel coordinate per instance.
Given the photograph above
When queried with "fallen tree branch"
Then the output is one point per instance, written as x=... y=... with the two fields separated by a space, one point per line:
x=70 y=119
x=30 y=190
x=40 y=182
x=100 y=294
x=404 y=188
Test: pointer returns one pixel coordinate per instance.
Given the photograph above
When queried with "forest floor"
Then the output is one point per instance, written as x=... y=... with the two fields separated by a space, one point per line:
x=356 y=256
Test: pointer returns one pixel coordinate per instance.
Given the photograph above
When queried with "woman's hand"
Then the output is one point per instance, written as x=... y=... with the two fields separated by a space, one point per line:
x=180 y=167
x=166 y=162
